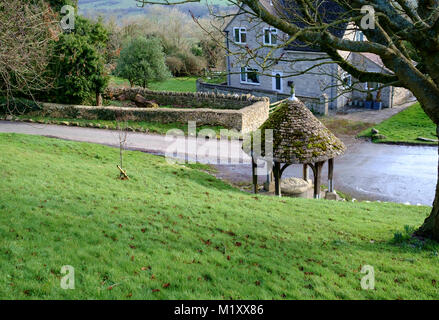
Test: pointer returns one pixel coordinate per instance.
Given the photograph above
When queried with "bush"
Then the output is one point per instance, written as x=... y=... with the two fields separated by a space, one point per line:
x=175 y=65
x=186 y=64
x=79 y=68
x=78 y=63
x=142 y=61
x=194 y=66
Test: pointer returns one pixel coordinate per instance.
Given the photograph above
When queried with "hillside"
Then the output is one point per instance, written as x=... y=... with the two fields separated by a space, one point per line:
x=175 y=232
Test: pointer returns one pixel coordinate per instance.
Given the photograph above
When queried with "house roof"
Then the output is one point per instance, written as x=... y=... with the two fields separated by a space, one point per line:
x=376 y=59
x=298 y=136
x=289 y=10
x=328 y=10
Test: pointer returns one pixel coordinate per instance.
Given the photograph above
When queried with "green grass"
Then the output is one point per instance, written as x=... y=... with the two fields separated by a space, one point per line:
x=342 y=127
x=180 y=84
x=118 y=82
x=405 y=127
x=175 y=232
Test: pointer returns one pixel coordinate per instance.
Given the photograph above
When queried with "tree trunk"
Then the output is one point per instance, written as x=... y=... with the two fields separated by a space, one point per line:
x=430 y=228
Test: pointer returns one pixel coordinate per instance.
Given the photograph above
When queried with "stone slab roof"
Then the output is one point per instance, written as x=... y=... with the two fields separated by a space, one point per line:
x=299 y=137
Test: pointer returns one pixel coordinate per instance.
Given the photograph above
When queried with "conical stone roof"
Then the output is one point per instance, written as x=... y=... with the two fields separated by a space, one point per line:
x=298 y=136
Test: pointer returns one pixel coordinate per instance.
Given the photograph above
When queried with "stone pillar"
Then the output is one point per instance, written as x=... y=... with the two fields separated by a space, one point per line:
x=305 y=172
x=277 y=179
x=330 y=193
x=331 y=175
x=317 y=170
x=324 y=105
x=254 y=174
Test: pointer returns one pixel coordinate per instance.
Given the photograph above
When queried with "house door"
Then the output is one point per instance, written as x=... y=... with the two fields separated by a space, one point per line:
x=277 y=81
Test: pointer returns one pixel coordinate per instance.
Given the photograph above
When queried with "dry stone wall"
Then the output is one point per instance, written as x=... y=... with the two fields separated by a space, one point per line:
x=243 y=113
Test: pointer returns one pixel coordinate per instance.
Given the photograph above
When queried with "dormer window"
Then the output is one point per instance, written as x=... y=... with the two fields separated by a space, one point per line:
x=240 y=35
x=270 y=36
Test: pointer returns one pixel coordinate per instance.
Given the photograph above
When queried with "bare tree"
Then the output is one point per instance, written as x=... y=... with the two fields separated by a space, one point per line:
x=26 y=29
x=122 y=135
x=404 y=34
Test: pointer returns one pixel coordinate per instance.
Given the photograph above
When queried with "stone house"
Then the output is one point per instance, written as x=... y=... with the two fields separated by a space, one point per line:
x=323 y=85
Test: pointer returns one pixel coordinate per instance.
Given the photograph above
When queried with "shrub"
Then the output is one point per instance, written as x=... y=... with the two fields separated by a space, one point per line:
x=194 y=66
x=142 y=61
x=78 y=63
x=186 y=64
x=175 y=65
x=79 y=68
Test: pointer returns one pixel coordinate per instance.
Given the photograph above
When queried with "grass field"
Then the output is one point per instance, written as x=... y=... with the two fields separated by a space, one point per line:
x=181 y=84
x=175 y=232
x=405 y=127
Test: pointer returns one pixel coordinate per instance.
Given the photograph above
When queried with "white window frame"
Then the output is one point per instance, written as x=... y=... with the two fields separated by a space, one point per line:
x=246 y=70
x=273 y=32
x=359 y=35
x=242 y=30
x=275 y=73
x=346 y=76
x=366 y=86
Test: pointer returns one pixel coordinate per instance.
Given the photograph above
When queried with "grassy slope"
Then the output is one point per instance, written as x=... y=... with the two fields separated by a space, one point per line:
x=405 y=127
x=61 y=204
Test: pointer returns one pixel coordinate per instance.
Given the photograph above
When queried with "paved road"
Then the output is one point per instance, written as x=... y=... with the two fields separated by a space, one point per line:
x=367 y=171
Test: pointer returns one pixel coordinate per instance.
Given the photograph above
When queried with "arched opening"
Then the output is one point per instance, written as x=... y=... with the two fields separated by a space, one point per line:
x=277 y=81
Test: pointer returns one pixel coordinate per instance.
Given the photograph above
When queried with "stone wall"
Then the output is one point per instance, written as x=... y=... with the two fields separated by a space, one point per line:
x=211 y=100
x=243 y=120
x=401 y=95
x=316 y=105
